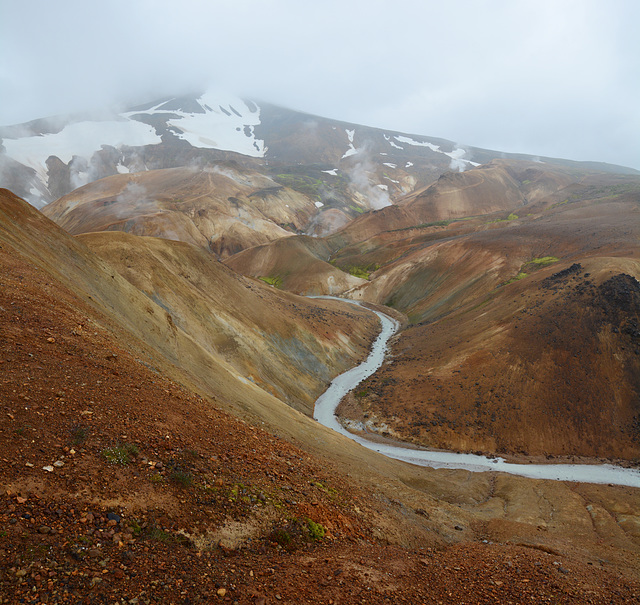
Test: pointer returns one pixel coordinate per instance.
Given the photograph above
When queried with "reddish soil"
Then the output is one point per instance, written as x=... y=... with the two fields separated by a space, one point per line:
x=151 y=494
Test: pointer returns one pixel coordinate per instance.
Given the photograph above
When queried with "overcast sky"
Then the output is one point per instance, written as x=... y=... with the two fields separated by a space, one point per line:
x=548 y=77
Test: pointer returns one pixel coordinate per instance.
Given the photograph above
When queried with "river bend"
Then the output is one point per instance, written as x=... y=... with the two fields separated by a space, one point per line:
x=325 y=408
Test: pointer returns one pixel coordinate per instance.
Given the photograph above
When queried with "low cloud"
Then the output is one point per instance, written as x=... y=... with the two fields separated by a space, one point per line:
x=360 y=179
x=134 y=200
x=460 y=158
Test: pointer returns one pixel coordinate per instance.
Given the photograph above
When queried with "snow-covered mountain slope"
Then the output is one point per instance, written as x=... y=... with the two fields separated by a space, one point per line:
x=212 y=121
x=334 y=162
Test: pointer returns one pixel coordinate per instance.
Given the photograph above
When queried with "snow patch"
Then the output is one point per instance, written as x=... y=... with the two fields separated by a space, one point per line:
x=332 y=172
x=389 y=164
x=352 y=150
x=394 y=145
x=410 y=141
x=408 y=165
x=458 y=162
x=230 y=127
x=318 y=204
x=383 y=187
x=78 y=139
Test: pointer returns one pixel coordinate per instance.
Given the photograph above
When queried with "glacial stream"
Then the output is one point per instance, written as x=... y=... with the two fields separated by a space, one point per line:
x=325 y=408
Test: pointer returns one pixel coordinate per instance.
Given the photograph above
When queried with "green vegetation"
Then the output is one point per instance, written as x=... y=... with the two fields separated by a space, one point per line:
x=272 y=280
x=512 y=217
x=181 y=478
x=281 y=536
x=160 y=535
x=296 y=530
x=357 y=209
x=79 y=434
x=299 y=182
x=136 y=528
x=316 y=530
x=544 y=261
x=518 y=277
x=120 y=454
x=359 y=272
x=444 y=223
x=362 y=271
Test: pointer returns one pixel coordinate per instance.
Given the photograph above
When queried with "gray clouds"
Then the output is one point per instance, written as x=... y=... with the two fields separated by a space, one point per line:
x=540 y=77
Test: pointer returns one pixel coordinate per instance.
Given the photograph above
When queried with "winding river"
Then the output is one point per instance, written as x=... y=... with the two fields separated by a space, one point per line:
x=327 y=403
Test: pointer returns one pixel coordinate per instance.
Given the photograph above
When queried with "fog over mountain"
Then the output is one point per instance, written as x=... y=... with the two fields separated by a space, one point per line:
x=554 y=79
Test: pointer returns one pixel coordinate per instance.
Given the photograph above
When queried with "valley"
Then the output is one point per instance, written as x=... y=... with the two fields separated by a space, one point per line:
x=166 y=335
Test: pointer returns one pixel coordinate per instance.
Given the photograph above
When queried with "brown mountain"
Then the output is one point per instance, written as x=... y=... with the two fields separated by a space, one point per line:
x=520 y=321
x=120 y=449
x=467 y=260
x=223 y=209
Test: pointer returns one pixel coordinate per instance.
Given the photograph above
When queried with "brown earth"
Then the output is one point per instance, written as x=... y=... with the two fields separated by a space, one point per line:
x=503 y=340
x=210 y=507
x=298 y=264
x=223 y=209
x=290 y=347
x=562 y=358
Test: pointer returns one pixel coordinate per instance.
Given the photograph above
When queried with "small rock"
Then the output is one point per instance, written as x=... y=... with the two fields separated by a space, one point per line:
x=114 y=517
x=28 y=464
x=49 y=469
x=563 y=570
x=44 y=529
x=58 y=463
x=221 y=592
x=21 y=573
x=94 y=553
x=458 y=528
